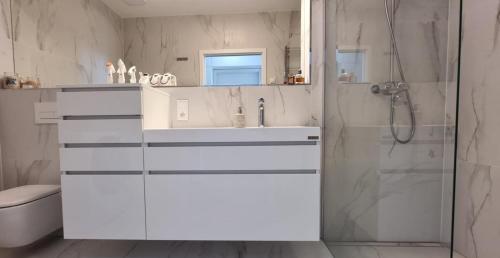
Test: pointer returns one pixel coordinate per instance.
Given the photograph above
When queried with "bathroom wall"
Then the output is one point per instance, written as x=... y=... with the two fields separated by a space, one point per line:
x=29 y=151
x=420 y=27
x=213 y=107
x=65 y=41
x=153 y=44
x=62 y=42
x=6 y=61
x=477 y=213
x=376 y=190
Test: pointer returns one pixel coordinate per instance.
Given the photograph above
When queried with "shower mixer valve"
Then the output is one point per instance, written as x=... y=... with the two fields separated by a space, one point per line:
x=390 y=88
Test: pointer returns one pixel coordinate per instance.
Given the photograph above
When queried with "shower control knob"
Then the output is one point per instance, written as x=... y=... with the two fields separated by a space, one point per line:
x=375 y=89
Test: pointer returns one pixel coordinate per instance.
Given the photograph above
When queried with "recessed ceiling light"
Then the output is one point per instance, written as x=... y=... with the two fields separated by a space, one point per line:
x=135 y=2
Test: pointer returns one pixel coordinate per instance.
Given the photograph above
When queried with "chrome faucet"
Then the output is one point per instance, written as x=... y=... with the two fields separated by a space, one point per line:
x=261 y=111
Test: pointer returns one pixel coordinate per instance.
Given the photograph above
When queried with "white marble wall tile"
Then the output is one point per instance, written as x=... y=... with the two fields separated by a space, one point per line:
x=153 y=44
x=421 y=31
x=214 y=107
x=477 y=210
x=65 y=41
x=360 y=107
x=477 y=223
x=479 y=120
x=375 y=188
x=6 y=61
x=30 y=153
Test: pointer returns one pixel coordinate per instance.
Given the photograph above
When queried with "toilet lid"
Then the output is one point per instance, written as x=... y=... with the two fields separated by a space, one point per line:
x=24 y=194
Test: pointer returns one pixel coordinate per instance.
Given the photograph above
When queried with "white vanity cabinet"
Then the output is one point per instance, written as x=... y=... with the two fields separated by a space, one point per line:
x=126 y=175
x=101 y=157
x=252 y=184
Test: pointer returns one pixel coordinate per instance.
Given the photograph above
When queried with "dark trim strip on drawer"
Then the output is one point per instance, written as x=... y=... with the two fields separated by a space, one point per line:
x=232 y=172
x=102 y=117
x=101 y=173
x=87 y=89
x=102 y=145
x=212 y=144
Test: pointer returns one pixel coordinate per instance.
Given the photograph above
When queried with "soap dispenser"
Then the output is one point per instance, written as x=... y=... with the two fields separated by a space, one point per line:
x=239 y=118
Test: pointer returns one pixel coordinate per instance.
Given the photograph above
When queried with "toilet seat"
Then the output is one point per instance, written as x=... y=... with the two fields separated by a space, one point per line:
x=25 y=194
x=28 y=213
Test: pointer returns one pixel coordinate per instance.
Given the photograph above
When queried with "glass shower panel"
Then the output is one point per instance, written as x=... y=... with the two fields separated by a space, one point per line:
x=387 y=189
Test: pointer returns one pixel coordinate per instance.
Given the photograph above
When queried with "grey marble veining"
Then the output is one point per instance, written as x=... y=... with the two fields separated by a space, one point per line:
x=479 y=85
x=477 y=211
x=65 y=41
x=6 y=59
x=59 y=248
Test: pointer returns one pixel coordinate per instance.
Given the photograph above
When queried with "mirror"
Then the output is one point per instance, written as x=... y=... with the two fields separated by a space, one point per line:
x=196 y=42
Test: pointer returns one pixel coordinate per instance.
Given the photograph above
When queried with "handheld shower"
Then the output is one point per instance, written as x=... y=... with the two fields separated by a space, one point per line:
x=393 y=88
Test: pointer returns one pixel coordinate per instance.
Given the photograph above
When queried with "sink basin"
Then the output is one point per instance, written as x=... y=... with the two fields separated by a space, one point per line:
x=226 y=134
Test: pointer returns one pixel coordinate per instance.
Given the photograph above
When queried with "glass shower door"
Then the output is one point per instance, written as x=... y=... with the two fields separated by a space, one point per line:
x=390 y=97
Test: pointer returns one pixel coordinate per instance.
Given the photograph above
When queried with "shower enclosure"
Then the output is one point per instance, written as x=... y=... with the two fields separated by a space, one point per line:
x=390 y=109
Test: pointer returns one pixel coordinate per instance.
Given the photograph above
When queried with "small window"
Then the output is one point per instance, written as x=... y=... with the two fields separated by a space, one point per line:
x=237 y=68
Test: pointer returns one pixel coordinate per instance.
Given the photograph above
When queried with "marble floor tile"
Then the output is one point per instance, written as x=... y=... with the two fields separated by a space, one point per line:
x=59 y=248
x=385 y=251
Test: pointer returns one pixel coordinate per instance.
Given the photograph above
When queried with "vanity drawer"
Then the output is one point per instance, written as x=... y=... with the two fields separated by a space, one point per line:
x=100 y=131
x=103 y=206
x=99 y=103
x=101 y=159
x=209 y=158
x=223 y=207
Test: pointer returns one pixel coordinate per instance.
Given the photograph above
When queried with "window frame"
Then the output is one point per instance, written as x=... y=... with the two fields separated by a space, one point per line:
x=233 y=52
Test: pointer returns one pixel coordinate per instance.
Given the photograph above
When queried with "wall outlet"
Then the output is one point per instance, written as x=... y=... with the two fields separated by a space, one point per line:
x=182 y=109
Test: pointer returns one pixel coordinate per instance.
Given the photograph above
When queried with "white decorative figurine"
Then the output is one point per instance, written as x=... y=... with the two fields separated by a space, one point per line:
x=144 y=78
x=121 y=71
x=131 y=73
x=168 y=79
x=110 y=70
x=156 y=79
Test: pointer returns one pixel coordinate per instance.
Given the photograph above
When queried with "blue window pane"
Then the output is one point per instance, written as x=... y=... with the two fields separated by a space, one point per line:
x=224 y=70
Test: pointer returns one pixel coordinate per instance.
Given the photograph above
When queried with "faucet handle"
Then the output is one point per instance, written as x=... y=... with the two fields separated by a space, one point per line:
x=260 y=100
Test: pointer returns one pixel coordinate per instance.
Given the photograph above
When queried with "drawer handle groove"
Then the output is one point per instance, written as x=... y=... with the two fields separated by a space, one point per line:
x=101 y=145
x=218 y=144
x=102 y=117
x=233 y=172
x=102 y=173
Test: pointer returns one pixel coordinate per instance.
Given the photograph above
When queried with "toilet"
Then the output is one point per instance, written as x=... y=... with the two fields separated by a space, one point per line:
x=28 y=213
